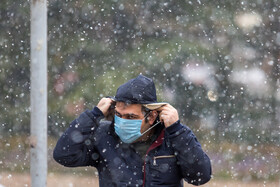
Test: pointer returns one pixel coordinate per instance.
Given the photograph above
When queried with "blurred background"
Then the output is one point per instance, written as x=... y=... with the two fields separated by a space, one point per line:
x=217 y=62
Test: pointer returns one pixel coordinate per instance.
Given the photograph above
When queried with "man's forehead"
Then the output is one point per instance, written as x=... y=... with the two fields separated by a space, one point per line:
x=128 y=106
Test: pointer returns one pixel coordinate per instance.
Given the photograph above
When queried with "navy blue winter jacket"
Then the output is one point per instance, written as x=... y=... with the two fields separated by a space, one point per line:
x=174 y=155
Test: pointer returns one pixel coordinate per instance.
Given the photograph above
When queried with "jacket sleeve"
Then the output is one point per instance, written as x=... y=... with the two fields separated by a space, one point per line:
x=75 y=147
x=194 y=163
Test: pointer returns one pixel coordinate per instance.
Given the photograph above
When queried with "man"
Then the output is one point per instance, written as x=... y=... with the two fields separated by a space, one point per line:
x=144 y=145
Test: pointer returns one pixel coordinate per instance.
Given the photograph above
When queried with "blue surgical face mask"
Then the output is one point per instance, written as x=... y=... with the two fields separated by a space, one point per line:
x=129 y=130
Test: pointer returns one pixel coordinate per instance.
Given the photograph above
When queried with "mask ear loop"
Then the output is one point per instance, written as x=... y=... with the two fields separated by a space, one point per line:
x=151 y=127
x=148 y=113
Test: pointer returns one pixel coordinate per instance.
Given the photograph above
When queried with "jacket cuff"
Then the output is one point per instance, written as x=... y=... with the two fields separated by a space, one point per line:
x=174 y=127
x=97 y=112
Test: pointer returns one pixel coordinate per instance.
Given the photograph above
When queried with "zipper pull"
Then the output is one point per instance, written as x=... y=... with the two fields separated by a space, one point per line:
x=155 y=163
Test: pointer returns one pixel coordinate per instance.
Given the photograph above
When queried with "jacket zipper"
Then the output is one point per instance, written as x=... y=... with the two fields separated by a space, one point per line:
x=157 y=143
x=164 y=156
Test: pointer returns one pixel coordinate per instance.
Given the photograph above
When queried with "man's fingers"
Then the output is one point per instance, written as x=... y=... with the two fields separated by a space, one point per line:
x=161 y=117
x=161 y=108
x=104 y=105
x=168 y=115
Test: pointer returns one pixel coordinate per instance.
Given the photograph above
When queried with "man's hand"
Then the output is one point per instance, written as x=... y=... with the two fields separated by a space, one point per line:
x=168 y=114
x=104 y=105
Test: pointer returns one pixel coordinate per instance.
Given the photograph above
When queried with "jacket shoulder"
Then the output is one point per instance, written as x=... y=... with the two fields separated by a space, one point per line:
x=104 y=129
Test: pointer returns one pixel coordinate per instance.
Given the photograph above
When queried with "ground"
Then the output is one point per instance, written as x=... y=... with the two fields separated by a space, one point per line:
x=69 y=180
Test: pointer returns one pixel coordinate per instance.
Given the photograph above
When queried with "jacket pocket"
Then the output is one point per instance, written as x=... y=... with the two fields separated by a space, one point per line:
x=161 y=157
x=164 y=170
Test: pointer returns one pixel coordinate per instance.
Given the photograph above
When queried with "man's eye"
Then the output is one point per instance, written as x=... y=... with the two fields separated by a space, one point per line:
x=118 y=114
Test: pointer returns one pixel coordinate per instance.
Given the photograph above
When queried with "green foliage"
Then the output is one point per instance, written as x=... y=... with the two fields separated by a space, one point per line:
x=14 y=66
x=95 y=46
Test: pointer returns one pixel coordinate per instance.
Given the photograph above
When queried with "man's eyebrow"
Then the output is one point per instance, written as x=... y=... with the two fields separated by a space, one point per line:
x=128 y=114
x=131 y=114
